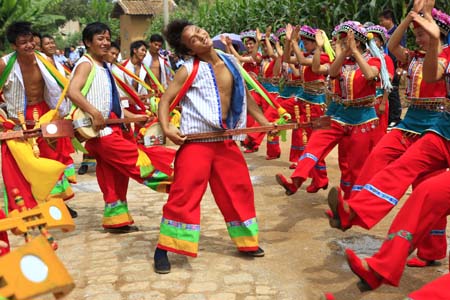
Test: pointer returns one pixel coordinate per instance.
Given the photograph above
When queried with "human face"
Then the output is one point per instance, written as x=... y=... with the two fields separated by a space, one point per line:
x=196 y=39
x=155 y=47
x=48 y=46
x=140 y=52
x=112 y=55
x=386 y=23
x=37 y=43
x=378 y=40
x=422 y=38
x=249 y=44
x=24 y=45
x=100 y=44
x=310 y=45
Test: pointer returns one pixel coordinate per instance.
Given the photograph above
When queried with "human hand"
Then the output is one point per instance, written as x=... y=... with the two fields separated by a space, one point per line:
x=174 y=134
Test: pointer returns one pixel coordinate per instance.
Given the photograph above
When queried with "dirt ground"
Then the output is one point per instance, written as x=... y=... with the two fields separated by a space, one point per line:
x=304 y=256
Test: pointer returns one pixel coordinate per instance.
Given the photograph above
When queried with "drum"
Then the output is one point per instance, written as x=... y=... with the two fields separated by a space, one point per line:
x=154 y=135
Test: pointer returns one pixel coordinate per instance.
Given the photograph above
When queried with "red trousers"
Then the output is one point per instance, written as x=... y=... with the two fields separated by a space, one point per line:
x=438 y=289
x=429 y=154
x=12 y=176
x=3 y=236
x=254 y=140
x=428 y=204
x=116 y=159
x=301 y=137
x=222 y=165
x=387 y=150
x=383 y=118
x=322 y=141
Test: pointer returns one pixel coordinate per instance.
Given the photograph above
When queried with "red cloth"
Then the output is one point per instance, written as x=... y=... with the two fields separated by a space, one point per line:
x=3 y=236
x=220 y=164
x=426 y=206
x=252 y=67
x=116 y=162
x=359 y=87
x=427 y=155
x=388 y=149
x=324 y=140
x=428 y=90
x=436 y=289
x=309 y=75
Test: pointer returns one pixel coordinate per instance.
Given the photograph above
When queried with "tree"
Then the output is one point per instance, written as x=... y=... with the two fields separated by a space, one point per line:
x=37 y=12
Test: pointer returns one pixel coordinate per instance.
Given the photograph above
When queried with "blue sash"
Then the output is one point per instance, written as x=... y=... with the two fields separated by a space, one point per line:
x=237 y=97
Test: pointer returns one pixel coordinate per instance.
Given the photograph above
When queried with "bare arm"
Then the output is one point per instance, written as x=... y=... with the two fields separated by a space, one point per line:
x=394 y=42
x=368 y=71
x=335 y=68
x=164 y=105
x=74 y=93
x=240 y=58
x=432 y=70
x=2 y=66
x=316 y=67
x=287 y=46
x=269 y=47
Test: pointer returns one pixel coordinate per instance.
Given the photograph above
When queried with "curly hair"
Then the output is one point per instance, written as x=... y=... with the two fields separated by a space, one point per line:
x=17 y=29
x=173 y=33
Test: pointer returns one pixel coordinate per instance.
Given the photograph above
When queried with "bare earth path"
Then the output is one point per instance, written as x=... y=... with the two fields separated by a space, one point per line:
x=304 y=257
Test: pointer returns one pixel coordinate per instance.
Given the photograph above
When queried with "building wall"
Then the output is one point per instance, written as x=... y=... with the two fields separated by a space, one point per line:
x=132 y=28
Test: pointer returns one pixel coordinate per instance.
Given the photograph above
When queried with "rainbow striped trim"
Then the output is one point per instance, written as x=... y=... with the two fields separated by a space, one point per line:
x=244 y=234
x=179 y=237
x=116 y=215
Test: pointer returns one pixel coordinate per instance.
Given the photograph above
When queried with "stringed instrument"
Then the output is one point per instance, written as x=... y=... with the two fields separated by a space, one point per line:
x=82 y=123
x=55 y=129
x=33 y=270
x=318 y=123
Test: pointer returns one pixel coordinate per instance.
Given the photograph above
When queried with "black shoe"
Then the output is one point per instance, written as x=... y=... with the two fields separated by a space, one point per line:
x=122 y=229
x=256 y=253
x=161 y=263
x=73 y=213
x=82 y=170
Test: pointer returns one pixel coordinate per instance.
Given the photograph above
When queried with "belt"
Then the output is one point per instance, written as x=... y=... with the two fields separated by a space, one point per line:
x=361 y=102
x=430 y=104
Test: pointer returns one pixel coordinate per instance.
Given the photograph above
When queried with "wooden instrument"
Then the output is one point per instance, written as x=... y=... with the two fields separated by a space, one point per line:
x=33 y=270
x=82 y=123
x=321 y=122
x=52 y=214
x=55 y=129
x=308 y=119
x=154 y=135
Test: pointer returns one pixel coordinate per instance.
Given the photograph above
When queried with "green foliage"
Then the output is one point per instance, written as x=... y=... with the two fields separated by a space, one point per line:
x=38 y=12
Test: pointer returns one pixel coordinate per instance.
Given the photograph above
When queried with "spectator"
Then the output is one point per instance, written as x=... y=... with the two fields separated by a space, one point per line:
x=387 y=20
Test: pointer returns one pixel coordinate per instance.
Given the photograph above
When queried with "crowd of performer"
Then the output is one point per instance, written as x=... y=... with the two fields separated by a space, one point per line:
x=296 y=74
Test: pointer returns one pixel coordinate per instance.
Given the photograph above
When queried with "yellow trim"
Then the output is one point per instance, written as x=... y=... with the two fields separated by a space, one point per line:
x=246 y=241
x=116 y=220
x=177 y=244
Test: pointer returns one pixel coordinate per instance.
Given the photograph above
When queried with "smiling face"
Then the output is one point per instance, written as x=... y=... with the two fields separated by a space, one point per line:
x=100 y=44
x=249 y=44
x=140 y=52
x=48 y=46
x=422 y=38
x=196 y=39
x=24 y=45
